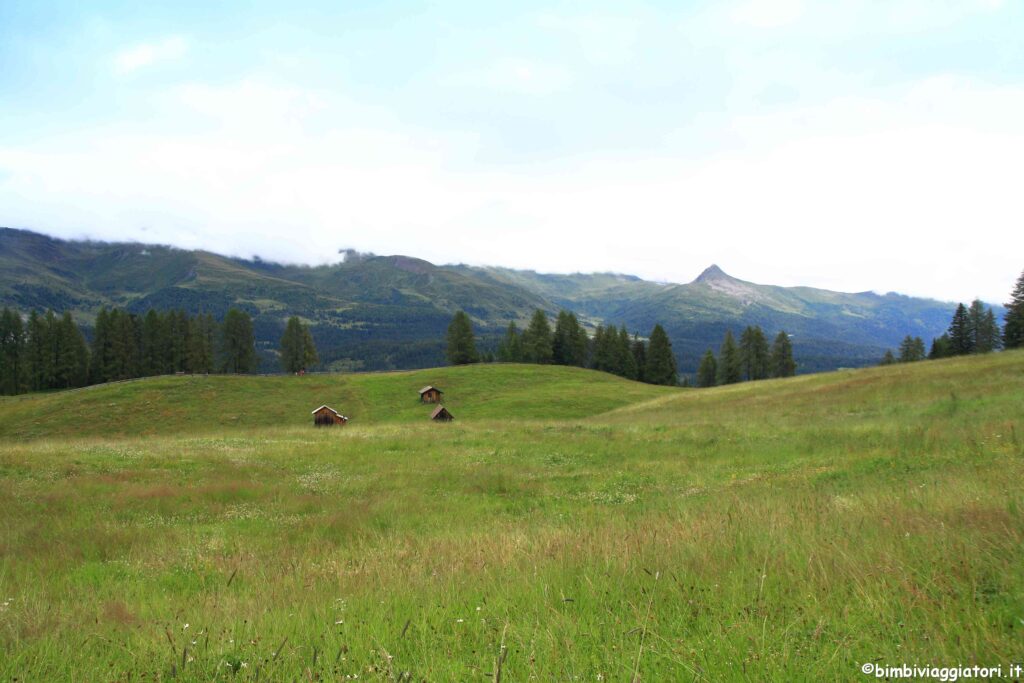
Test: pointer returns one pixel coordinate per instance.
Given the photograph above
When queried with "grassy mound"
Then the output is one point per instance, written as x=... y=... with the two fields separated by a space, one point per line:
x=200 y=404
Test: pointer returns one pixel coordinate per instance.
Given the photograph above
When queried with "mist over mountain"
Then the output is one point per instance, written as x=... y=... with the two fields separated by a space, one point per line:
x=388 y=312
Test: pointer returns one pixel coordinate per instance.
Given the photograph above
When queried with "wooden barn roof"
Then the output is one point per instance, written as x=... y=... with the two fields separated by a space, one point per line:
x=437 y=411
x=330 y=409
x=428 y=388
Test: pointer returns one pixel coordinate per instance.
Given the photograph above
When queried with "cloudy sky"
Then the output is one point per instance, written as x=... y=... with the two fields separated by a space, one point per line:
x=846 y=144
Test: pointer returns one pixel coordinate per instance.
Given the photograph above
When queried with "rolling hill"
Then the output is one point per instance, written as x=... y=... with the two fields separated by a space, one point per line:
x=391 y=312
x=568 y=524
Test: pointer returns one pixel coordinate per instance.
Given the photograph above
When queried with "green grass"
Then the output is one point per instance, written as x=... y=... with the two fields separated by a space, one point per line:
x=210 y=404
x=599 y=529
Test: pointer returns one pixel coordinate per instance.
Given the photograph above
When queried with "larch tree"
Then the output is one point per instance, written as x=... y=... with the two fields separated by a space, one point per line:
x=781 y=361
x=1013 y=328
x=961 y=337
x=238 y=346
x=754 y=353
x=707 y=373
x=298 y=352
x=510 y=349
x=537 y=339
x=661 y=361
x=730 y=368
x=461 y=341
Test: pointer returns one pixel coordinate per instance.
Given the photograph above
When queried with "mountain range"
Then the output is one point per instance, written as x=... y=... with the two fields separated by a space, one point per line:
x=391 y=312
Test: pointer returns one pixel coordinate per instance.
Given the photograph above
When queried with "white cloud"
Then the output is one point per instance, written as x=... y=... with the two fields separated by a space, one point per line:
x=522 y=76
x=146 y=54
x=768 y=13
x=916 y=192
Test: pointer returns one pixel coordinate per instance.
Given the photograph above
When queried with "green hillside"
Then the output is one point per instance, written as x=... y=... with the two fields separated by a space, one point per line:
x=198 y=404
x=566 y=525
x=390 y=312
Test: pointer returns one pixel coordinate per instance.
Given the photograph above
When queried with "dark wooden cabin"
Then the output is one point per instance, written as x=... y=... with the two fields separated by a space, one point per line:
x=325 y=416
x=441 y=414
x=429 y=394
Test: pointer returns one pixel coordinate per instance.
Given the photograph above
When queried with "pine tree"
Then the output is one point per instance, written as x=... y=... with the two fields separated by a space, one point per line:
x=960 y=334
x=639 y=349
x=730 y=369
x=537 y=339
x=298 y=352
x=604 y=358
x=238 y=347
x=201 y=341
x=154 y=343
x=707 y=373
x=888 y=358
x=176 y=346
x=989 y=337
x=100 y=348
x=71 y=361
x=461 y=343
x=624 y=355
x=510 y=350
x=13 y=365
x=40 y=357
x=781 y=363
x=911 y=350
x=569 y=344
x=578 y=342
x=661 y=362
x=941 y=348
x=1013 y=329
x=754 y=353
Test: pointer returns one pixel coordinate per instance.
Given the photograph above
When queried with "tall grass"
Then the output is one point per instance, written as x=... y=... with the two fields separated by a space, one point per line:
x=780 y=530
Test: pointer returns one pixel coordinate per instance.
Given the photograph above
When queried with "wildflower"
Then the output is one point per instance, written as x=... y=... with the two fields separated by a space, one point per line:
x=184 y=627
x=459 y=621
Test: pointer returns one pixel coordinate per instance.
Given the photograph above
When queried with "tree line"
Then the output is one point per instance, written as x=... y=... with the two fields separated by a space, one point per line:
x=611 y=349
x=973 y=329
x=750 y=360
x=50 y=352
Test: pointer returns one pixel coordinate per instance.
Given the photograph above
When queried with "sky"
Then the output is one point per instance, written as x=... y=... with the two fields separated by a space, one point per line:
x=851 y=145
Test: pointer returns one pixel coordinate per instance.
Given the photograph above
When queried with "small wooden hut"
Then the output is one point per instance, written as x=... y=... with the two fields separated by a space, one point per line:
x=326 y=416
x=429 y=394
x=441 y=414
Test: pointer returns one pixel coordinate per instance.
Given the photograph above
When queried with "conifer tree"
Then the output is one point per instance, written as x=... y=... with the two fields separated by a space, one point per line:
x=888 y=358
x=911 y=349
x=510 y=350
x=238 y=346
x=577 y=342
x=961 y=338
x=298 y=352
x=569 y=344
x=461 y=342
x=71 y=361
x=941 y=348
x=201 y=341
x=154 y=343
x=661 y=362
x=13 y=361
x=781 y=363
x=537 y=339
x=624 y=355
x=730 y=369
x=604 y=359
x=707 y=373
x=100 y=348
x=1013 y=329
x=754 y=353
x=989 y=337
x=639 y=350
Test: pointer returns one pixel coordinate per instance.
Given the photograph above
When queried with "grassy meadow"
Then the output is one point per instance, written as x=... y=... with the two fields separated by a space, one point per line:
x=569 y=525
